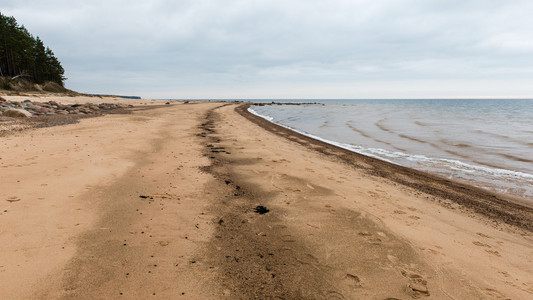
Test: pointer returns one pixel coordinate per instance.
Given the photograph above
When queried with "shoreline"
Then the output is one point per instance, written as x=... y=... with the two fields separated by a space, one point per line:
x=193 y=200
x=509 y=209
x=494 y=157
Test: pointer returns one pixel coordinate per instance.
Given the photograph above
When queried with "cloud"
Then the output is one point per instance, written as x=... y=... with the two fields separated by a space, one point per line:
x=172 y=48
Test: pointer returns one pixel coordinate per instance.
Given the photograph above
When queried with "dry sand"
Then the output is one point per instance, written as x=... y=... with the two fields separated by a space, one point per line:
x=162 y=203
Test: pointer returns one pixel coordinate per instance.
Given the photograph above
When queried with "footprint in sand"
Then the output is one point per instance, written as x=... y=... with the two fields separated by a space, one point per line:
x=505 y=274
x=371 y=238
x=381 y=234
x=354 y=280
x=494 y=293
x=288 y=238
x=332 y=295
x=313 y=226
x=392 y=258
x=480 y=244
x=373 y=194
x=417 y=284
x=308 y=259
x=13 y=199
x=378 y=194
x=493 y=252
x=484 y=235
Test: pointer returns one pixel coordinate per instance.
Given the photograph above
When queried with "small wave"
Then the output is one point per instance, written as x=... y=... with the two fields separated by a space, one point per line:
x=420 y=123
x=352 y=148
x=412 y=138
x=458 y=145
x=458 y=154
x=359 y=131
x=324 y=125
x=362 y=133
x=504 y=137
x=488 y=170
x=478 y=149
x=379 y=124
x=452 y=164
x=516 y=158
x=390 y=156
x=268 y=118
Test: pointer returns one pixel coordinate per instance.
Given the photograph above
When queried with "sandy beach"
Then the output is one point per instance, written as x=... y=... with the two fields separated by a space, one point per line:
x=203 y=200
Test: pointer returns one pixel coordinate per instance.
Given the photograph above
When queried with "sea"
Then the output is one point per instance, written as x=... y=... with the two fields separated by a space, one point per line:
x=483 y=142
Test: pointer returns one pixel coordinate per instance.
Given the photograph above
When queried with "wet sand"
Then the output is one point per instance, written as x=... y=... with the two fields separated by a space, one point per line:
x=199 y=201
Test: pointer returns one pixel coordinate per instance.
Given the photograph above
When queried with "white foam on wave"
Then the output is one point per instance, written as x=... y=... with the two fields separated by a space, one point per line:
x=386 y=155
x=494 y=171
x=268 y=118
x=353 y=148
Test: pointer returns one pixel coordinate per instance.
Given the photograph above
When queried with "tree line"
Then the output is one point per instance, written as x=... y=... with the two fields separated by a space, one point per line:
x=23 y=55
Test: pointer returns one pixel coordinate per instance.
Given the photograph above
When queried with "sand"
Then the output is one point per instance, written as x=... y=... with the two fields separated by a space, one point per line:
x=161 y=202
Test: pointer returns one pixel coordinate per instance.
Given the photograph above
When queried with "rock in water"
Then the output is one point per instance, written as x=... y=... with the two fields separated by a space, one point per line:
x=17 y=113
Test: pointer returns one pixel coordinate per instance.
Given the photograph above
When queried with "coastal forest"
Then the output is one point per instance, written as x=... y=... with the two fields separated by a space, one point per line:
x=24 y=56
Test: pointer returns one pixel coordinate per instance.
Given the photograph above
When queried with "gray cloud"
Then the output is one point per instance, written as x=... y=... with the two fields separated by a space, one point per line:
x=307 y=49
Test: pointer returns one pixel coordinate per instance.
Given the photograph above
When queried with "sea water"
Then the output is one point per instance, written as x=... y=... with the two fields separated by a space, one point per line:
x=484 y=142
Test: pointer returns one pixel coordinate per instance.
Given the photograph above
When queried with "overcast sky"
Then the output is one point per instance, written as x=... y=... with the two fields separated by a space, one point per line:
x=288 y=48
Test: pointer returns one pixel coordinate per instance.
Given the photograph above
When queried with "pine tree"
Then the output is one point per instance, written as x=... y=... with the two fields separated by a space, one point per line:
x=22 y=54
